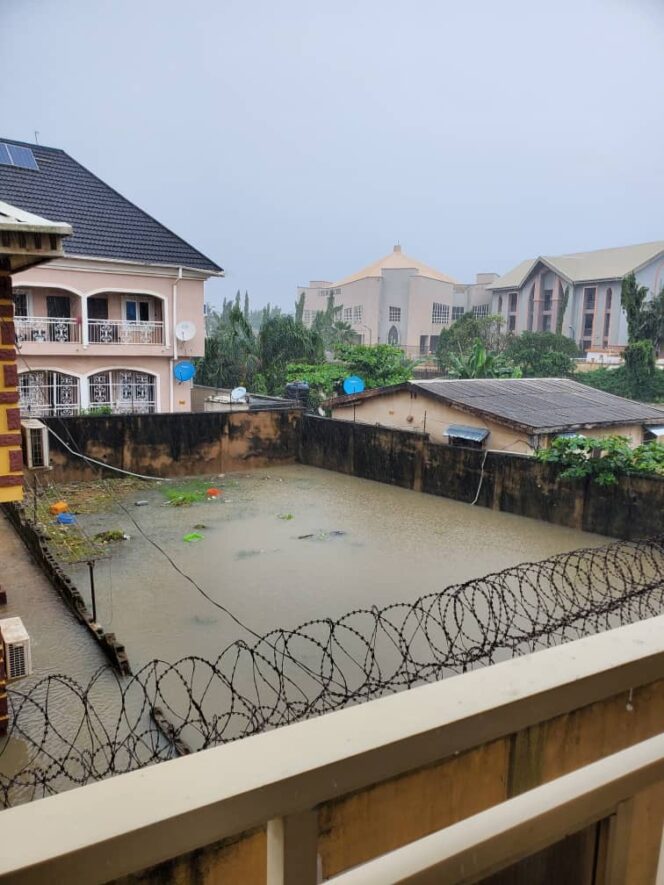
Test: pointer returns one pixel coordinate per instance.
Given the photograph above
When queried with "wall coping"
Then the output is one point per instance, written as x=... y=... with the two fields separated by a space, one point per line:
x=142 y=818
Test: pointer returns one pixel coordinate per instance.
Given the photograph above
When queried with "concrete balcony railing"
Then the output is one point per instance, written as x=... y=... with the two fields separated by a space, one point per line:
x=47 y=330
x=551 y=761
x=125 y=332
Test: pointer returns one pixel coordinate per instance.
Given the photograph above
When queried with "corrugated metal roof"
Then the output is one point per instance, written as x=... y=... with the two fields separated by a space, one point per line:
x=541 y=405
x=578 y=267
x=106 y=225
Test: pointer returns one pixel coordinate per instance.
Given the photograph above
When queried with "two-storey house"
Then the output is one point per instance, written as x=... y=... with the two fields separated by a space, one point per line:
x=100 y=329
x=577 y=293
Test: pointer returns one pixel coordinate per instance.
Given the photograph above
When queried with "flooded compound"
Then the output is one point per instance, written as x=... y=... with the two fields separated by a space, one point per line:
x=281 y=547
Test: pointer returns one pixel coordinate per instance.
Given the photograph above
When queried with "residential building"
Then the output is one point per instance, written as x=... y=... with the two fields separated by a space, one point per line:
x=96 y=328
x=502 y=414
x=25 y=241
x=531 y=296
x=398 y=300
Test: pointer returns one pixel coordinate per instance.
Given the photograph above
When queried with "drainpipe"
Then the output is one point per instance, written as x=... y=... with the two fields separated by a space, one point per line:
x=175 y=340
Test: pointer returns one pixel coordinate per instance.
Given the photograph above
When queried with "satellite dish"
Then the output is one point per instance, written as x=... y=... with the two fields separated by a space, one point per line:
x=184 y=371
x=353 y=384
x=238 y=394
x=185 y=330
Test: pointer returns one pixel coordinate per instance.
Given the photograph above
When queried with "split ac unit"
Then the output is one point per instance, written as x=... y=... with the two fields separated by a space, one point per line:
x=35 y=443
x=16 y=642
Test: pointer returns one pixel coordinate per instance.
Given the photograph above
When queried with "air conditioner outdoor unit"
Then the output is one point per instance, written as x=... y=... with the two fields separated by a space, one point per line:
x=16 y=642
x=35 y=443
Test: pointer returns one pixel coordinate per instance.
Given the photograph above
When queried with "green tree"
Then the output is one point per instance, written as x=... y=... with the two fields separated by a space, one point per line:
x=459 y=340
x=299 y=308
x=378 y=366
x=479 y=363
x=604 y=460
x=542 y=354
x=632 y=299
x=282 y=340
x=246 y=305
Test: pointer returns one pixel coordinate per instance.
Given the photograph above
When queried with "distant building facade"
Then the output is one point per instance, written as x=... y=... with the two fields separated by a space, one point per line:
x=398 y=300
x=531 y=296
x=95 y=329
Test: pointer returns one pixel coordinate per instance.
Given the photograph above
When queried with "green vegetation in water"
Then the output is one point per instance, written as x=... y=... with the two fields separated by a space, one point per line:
x=604 y=460
x=192 y=537
x=110 y=536
x=185 y=494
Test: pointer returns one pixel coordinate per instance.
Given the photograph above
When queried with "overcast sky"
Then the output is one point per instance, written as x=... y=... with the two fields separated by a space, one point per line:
x=300 y=139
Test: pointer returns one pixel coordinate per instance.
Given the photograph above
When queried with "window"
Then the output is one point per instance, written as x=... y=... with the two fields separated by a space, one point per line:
x=307 y=317
x=440 y=314
x=137 y=311
x=433 y=343
x=511 y=323
x=500 y=304
x=123 y=391
x=424 y=345
x=393 y=335
x=589 y=298
x=609 y=298
x=546 y=323
x=481 y=310
x=607 y=323
x=48 y=393
x=514 y=297
x=357 y=313
x=457 y=313
x=587 y=325
x=20 y=302
x=548 y=300
x=348 y=314
x=395 y=314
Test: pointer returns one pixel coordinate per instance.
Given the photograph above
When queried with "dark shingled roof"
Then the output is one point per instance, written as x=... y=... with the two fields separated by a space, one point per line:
x=535 y=405
x=106 y=225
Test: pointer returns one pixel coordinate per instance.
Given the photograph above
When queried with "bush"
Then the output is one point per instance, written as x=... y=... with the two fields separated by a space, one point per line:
x=621 y=383
x=543 y=354
x=604 y=460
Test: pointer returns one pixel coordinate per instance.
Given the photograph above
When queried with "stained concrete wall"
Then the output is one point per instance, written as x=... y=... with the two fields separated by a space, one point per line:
x=388 y=815
x=632 y=508
x=172 y=445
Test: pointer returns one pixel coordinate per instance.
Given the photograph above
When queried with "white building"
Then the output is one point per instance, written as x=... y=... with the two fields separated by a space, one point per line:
x=531 y=295
x=398 y=300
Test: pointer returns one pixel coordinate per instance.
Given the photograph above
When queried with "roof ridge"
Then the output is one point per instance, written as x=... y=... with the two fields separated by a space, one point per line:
x=32 y=144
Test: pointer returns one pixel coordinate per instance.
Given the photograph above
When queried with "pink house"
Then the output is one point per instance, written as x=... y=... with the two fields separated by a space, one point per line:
x=103 y=327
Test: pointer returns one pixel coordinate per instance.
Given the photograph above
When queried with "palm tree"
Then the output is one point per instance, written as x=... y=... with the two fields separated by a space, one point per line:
x=479 y=363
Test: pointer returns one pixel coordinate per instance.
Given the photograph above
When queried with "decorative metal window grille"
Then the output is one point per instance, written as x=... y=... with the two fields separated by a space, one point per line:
x=123 y=391
x=481 y=310
x=457 y=313
x=440 y=314
x=395 y=314
x=357 y=313
x=48 y=393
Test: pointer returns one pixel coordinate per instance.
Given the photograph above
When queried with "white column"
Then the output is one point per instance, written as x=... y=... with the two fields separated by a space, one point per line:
x=84 y=320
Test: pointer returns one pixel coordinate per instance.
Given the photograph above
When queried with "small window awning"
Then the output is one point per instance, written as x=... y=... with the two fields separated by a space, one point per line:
x=655 y=429
x=460 y=431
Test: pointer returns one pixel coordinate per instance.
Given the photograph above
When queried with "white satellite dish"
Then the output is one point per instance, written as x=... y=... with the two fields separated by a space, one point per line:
x=238 y=394
x=185 y=330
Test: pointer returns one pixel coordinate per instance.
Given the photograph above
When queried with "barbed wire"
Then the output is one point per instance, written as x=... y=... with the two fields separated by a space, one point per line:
x=63 y=733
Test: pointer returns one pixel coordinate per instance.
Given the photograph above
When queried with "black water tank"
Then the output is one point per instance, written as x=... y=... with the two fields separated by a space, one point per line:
x=298 y=390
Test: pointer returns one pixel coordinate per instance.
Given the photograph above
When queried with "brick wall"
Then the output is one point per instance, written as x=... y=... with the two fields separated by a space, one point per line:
x=11 y=459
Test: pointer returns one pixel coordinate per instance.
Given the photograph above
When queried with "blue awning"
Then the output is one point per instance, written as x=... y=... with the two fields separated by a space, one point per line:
x=460 y=431
x=655 y=429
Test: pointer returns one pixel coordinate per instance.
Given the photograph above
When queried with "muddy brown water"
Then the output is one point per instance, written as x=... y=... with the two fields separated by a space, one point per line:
x=279 y=548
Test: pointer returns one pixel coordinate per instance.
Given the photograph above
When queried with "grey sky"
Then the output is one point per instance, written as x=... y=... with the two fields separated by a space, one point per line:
x=298 y=139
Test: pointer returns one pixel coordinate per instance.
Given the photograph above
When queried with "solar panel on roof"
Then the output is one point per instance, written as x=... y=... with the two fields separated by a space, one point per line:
x=4 y=155
x=22 y=157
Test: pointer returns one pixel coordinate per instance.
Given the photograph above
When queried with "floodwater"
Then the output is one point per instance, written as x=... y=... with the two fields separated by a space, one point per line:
x=278 y=548
x=286 y=546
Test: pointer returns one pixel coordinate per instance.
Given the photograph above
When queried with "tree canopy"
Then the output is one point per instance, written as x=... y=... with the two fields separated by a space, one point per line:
x=542 y=354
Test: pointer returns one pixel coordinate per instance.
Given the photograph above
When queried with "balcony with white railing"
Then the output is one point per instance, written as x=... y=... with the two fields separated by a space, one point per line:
x=125 y=332
x=545 y=763
x=47 y=330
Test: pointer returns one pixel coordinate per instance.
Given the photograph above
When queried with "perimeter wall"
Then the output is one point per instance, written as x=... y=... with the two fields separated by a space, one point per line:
x=211 y=442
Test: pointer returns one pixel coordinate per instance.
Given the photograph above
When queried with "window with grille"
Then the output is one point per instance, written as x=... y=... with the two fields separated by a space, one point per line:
x=306 y=317
x=548 y=300
x=481 y=310
x=20 y=297
x=457 y=313
x=348 y=314
x=440 y=314
x=514 y=297
x=357 y=313
x=589 y=298
x=395 y=314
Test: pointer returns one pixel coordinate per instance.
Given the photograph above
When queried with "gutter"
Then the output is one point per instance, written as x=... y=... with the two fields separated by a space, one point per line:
x=175 y=340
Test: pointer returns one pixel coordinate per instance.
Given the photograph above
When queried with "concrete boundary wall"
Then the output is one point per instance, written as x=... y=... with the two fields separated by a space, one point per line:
x=632 y=508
